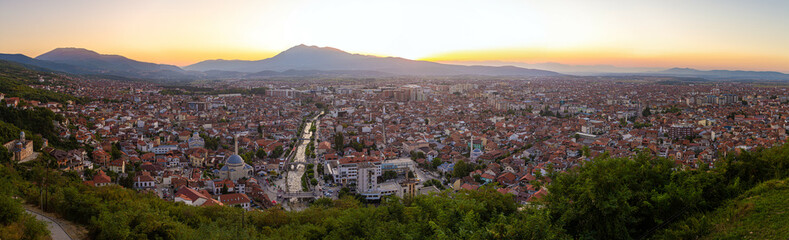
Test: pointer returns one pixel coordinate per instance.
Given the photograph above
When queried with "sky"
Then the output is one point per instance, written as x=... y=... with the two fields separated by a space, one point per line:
x=703 y=34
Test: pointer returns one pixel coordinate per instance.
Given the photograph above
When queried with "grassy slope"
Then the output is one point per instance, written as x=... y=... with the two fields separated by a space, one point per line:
x=760 y=213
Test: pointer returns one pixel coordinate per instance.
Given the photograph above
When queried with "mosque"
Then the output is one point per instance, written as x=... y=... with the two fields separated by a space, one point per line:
x=235 y=168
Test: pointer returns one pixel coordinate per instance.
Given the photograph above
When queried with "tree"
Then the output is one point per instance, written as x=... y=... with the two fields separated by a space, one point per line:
x=127 y=182
x=37 y=123
x=356 y=145
x=339 y=142
x=10 y=210
x=322 y=202
x=5 y=156
x=646 y=112
x=16 y=224
x=478 y=178
x=247 y=156
x=388 y=174
x=343 y=192
x=461 y=169
x=261 y=153
x=435 y=163
x=673 y=109
x=277 y=152
x=620 y=198
x=224 y=189
x=586 y=151
x=210 y=142
x=434 y=182
x=116 y=151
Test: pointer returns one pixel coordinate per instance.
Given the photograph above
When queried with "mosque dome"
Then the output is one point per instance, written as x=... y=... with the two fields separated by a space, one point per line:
x=235 y=159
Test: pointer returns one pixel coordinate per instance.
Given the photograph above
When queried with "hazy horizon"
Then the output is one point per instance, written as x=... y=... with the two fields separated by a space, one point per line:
x=705 y=35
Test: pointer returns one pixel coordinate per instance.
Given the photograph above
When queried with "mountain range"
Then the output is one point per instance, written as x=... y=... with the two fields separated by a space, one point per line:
x=307 y=61
x=297 y=61
x=723 y=74
x=87 y=62
x=304 y=57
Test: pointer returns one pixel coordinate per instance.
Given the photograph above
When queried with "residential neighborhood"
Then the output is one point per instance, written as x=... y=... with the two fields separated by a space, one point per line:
x=400 y=137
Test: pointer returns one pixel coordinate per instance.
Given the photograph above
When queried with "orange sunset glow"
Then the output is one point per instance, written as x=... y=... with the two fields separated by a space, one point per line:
x=613 y=57
x=702 y=34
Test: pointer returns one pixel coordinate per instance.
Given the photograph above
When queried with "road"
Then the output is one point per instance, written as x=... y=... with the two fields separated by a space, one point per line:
x=56 y=231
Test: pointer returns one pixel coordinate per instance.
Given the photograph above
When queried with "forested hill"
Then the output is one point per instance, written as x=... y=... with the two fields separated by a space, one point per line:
x=16 y=78
x=640 y=197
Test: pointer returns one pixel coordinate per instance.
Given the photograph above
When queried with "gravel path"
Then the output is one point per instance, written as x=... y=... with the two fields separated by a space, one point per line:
x=56 y=231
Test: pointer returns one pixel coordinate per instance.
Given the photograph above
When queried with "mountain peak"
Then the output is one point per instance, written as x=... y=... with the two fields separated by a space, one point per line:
x=68 y=52
x=89 y=61
x=304 y=47
x=682 y=69
x=322 y=59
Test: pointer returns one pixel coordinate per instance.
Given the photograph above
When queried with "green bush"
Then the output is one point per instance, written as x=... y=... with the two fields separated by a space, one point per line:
x=10 y=210
x=15 y=223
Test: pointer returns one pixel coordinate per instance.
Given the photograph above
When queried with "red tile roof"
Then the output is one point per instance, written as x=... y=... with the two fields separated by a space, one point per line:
x=234 y=198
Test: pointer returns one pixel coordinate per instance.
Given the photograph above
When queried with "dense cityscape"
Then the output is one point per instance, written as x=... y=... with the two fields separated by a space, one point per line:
x=394 y=137
x=398 y=120
x=286 y=144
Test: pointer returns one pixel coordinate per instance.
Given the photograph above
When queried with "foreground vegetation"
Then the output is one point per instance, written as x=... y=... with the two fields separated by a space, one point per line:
x=15 y=223
x=607 y=198
x=759 y=213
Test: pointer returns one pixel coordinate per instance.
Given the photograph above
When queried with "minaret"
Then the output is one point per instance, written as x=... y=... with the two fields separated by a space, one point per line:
x=236 y=140
x=471 y=144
